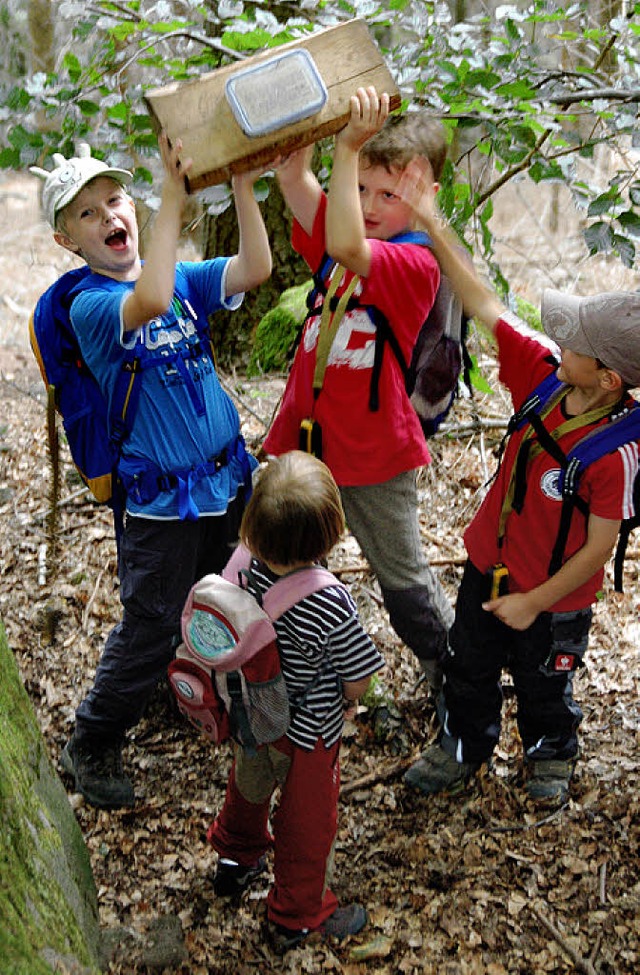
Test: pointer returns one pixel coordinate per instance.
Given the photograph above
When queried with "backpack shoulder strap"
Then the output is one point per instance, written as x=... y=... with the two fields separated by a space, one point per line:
x=288 y=590
x=237 y=565
x=623 y=428
x=294 y=587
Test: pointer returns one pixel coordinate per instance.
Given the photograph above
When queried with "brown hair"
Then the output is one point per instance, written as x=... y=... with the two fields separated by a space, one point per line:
x=295 y=513
x=403 y=137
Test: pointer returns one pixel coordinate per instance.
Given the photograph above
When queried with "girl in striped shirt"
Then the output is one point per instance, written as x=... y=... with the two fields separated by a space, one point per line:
x=293 y=520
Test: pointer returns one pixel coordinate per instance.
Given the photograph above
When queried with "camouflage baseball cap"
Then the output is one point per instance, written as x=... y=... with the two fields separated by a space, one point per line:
x=64 y=182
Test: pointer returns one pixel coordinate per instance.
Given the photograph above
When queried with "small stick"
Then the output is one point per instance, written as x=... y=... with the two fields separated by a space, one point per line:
x=374 y=777
x=582 y=964
x=603 y=883
x=87 y=609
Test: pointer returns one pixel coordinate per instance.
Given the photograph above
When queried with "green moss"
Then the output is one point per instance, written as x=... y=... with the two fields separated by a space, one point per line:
x=47 y=894
x=277 y=330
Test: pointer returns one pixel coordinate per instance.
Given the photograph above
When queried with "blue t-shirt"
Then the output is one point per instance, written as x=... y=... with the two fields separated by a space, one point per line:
x=183 y=417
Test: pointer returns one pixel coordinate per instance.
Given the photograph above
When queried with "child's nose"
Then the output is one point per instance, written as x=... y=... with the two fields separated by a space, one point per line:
x=367 y=203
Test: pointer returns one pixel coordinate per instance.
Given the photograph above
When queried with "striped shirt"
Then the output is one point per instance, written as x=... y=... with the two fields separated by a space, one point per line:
x=321 y=643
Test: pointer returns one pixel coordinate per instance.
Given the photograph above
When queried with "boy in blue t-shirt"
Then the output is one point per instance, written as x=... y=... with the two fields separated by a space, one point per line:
x=183 y=465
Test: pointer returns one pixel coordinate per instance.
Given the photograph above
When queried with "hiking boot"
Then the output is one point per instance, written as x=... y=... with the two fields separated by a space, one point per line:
x=436 y=771
x=231 y=879
x=98 y=773
x=549 y=780
x=343 y=922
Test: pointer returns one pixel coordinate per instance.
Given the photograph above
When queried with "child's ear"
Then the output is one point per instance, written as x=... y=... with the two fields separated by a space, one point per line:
x=66 y=242
x=610 y=380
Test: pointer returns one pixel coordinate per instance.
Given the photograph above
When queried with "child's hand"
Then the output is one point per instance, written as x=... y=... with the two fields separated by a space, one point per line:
x=248 y=178
x=514 y=610
x=350 y=709
x=291 y=169
x=175 y=169
x=417 y=188
x=369 y=112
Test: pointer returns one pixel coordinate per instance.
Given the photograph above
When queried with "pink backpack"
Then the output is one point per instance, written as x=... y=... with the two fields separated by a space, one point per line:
x=226 y=675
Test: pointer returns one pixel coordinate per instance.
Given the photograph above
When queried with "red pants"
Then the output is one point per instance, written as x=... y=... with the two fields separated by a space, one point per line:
x=304 y=826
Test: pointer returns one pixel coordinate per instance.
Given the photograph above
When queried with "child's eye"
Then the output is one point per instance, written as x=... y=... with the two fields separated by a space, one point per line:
x=86 y=213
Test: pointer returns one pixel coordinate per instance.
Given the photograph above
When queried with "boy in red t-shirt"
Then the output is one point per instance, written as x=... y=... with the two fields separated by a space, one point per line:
x=539 y=628
x=373 y=455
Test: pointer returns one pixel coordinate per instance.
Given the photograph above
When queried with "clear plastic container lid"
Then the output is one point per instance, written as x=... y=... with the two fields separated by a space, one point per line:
x=276 y=93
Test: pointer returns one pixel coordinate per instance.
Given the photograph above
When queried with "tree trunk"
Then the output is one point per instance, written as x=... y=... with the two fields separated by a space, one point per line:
x=48 y=902
x=233 y=331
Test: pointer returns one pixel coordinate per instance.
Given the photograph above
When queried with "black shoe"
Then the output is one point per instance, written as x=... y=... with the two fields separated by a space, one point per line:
x=343 y=922
x=231 y=879
x=98 y=773
x=548 y=781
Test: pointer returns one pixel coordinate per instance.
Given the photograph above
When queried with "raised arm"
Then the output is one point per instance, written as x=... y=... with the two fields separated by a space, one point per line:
x=345 y=231
x=300 y=187
x=154 y=288
x=416 y=188
x=252 y=264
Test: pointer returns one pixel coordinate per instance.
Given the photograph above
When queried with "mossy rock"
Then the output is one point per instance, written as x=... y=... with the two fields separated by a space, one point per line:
x=48 y=900
x=276 y=332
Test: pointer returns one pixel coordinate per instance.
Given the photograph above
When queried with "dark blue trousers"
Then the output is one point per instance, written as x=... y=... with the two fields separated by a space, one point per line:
x=480 y=647
x=159 y=561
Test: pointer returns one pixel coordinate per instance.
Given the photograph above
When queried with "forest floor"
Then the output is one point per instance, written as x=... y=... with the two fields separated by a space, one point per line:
x=482 y=884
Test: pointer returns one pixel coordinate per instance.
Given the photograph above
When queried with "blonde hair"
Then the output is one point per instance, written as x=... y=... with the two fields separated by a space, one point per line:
x=402 y=138
x=295 y=513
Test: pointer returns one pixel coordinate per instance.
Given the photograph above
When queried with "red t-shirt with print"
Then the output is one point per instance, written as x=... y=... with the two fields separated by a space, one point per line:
x=530 y=535
x=359 y=446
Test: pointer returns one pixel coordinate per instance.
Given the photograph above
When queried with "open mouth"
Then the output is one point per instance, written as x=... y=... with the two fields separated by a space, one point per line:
x=117 y=240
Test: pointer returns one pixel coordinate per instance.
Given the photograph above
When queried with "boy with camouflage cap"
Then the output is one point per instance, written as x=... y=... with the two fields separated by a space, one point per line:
x=539 y=628
x=183 y=463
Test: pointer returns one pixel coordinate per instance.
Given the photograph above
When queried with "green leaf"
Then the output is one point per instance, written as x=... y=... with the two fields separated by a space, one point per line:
x=87 y=107
x=476 y=378
x=599 y=238
x=118 y=112
x=19 y=137
x=72 y=64
x=9 y=158
x=634 y=193
x=516 y=89
x=630 y=220
x=625 y=249
x=251 y=41
x=604 y=203
x=18 y=100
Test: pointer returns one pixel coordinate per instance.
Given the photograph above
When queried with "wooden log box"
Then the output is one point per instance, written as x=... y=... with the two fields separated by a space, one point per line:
x=242 y=115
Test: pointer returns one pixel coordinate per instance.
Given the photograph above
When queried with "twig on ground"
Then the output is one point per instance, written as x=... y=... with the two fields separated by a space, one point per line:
x=582 y=964
x=520 y=827
x=87 y=609
x=603 y=883
x=380 y=775
x=468 y=427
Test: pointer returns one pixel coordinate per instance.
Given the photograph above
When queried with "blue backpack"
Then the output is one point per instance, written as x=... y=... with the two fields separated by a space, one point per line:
x=95 y=438
x=622 y=427
x=94 y=432
x=439 y=354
